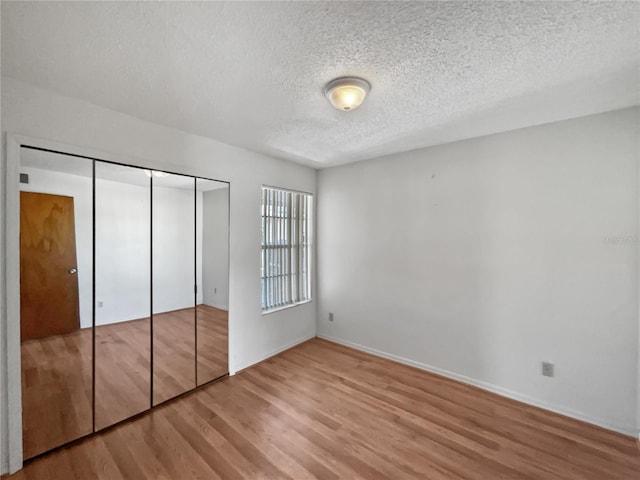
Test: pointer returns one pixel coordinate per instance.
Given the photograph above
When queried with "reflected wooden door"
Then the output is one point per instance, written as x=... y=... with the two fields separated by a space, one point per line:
x=48 y=282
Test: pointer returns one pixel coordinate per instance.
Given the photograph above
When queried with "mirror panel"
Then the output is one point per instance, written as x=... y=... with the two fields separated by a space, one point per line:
x=55 y=299
x=150 y=324
x=122 y=293
x=174 y=300
x=213 y=303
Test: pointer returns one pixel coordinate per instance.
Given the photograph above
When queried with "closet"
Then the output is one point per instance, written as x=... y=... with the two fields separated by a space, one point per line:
x=123 y=292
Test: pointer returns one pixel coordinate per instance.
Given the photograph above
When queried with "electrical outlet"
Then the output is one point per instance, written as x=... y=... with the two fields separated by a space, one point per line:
x=547 y=369
x=100 y=303
x=215 y=291
x=331 y=317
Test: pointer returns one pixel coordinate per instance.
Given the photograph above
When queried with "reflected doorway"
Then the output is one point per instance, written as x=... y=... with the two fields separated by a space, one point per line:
x=48 y=284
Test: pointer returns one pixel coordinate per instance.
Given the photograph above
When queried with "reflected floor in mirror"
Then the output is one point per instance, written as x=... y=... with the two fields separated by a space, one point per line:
x=56 y=374
x=56 y=390
x=123 y=370
x=213 y=344
x=174 y=354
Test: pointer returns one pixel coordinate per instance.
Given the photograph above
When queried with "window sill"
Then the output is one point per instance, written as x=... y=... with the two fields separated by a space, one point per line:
x=284 y=307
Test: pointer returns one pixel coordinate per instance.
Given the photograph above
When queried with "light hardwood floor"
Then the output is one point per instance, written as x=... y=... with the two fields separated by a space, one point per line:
x=57 y=382
x=324 y=411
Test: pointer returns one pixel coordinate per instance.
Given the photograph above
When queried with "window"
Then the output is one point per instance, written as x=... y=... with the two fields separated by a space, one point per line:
x=286 y=248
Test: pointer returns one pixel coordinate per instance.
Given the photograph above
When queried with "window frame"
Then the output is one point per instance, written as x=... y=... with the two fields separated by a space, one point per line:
x=290 y=245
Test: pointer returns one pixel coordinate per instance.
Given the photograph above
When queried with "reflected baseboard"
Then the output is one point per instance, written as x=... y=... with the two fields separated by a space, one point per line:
x=114 y=322
x=215 y=305
x=156 y=314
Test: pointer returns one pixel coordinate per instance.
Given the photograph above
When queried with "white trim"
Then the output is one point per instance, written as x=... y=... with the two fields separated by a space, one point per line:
x=219 y=307
x=12 y=283
x=283 y=189
x=624 y=429
x=284 y=307
x=273 y=353
x=4 y=419
x=637 y=433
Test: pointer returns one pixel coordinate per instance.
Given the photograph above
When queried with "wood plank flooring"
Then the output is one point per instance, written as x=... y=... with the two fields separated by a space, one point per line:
x=213 y=343
x=56 y=390
x=57 y=382
x=324 y=411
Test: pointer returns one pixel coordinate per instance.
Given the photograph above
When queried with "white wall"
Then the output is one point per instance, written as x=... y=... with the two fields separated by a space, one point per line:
x=215 y=259
x=174 y=248
x=122 y=244
x=122 y=251
x=481 y=258
x=123 y=284
x=39 y=113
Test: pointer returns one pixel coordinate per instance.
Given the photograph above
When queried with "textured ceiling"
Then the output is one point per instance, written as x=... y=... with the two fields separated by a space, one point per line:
x=251 y=73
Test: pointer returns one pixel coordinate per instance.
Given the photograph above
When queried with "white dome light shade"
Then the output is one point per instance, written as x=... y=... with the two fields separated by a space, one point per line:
x=347 y=93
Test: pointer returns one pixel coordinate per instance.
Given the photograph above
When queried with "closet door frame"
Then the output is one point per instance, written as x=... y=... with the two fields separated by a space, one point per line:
x=10 y=243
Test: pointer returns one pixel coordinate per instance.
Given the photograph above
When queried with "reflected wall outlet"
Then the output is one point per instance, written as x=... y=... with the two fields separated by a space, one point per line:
x=331 y=317
x=215 y=291
x=547 y=369
x=100 y=303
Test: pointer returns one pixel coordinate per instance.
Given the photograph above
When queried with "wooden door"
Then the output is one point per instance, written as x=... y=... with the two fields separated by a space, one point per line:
x=48 y=279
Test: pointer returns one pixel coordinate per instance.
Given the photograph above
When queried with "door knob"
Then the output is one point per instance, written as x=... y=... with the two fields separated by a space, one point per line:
x=73 y=270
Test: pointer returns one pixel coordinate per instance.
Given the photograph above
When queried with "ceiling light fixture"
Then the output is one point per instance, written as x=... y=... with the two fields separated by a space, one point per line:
x=347 y=93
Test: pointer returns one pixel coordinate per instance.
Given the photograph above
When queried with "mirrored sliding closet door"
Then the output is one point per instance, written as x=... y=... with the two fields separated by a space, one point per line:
x=213 y=294
x=124 y=292
x=55 y=299
x=174 y=280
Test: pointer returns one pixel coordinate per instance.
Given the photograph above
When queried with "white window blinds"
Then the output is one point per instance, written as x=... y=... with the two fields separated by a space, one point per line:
x=286 y=248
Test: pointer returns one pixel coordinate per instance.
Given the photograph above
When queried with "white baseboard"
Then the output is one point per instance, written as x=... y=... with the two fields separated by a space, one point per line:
x=297 y=341
x=624 y=429
x=215 y=305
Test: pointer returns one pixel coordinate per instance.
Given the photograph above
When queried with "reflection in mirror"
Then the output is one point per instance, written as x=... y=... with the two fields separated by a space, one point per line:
x=213 y=306
x=173 y=237
x=123 y=293
x=55 y=299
